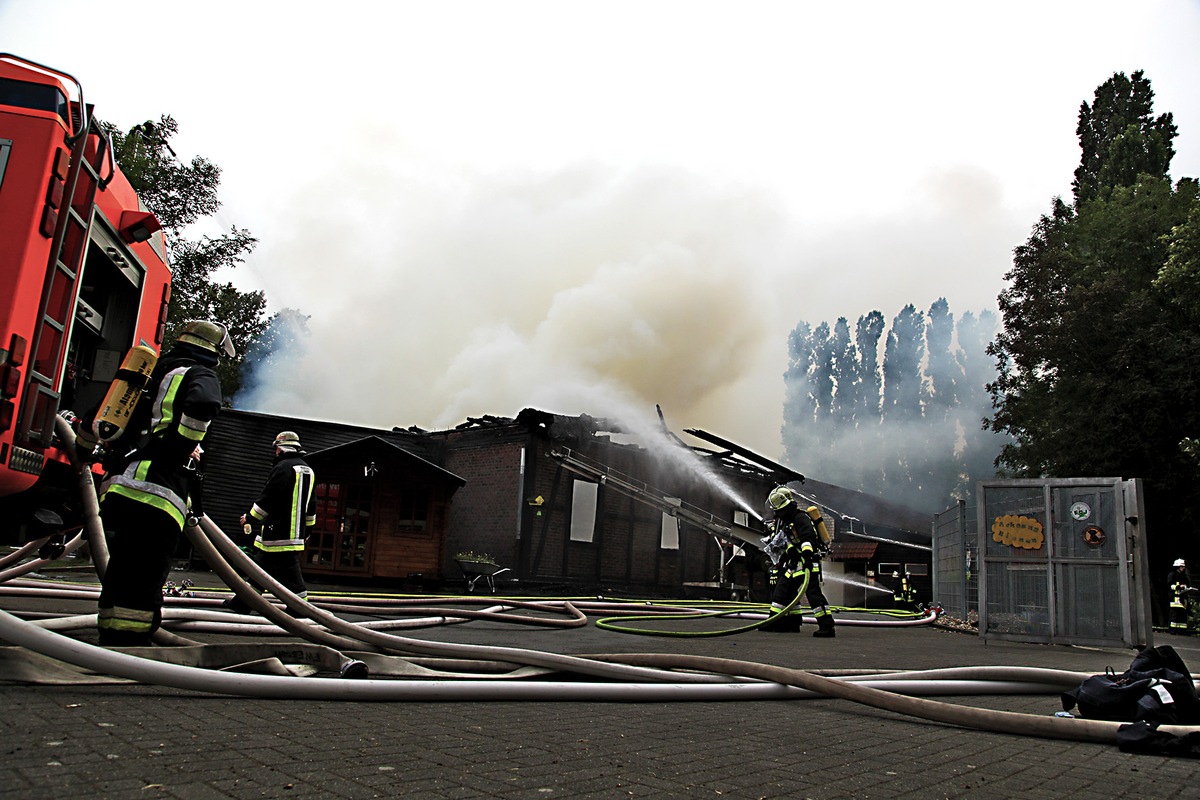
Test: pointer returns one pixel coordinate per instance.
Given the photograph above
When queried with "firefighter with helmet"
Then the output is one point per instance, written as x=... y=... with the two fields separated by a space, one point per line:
x=281 y=518
x=904 y=596
x=144 y=496
x=795 y=548
x=1180 y=587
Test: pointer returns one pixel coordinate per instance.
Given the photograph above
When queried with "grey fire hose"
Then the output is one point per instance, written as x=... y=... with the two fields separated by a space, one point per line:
x=133 y=667
x=22 y=551
x=208 y=538
x=93 y=527
x=757 y=681
x=1083 y=730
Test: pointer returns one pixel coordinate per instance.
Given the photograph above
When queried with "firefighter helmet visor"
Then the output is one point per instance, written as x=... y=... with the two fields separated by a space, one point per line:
x=212 y=336
x=780 y=497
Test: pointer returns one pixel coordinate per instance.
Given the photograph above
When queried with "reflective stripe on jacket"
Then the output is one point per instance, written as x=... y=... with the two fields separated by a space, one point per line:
x=286 y=509
x=164 y=432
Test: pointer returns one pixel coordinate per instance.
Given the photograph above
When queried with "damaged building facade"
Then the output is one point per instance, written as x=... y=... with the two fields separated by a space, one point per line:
x=570 y=504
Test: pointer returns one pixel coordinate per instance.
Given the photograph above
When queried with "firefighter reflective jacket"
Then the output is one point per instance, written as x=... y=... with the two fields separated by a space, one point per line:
x=184 y=398
x=799 y=559
x=286 y=509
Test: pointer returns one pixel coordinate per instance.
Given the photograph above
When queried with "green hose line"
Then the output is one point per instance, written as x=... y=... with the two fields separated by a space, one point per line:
x=898 y=613
x=607 y=622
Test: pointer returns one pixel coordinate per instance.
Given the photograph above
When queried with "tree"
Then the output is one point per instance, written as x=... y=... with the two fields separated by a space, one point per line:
x=867 y=334
x=944 y=368
x=902 y=381
x=910 y=446
x=1099 y=356
x=822 y=380
x=847 y=383
x=180 y=195
x=1120 y=138
x=942 y=470
x=798 y=403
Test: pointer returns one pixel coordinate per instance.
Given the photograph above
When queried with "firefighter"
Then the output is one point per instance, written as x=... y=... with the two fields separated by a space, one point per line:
x=904 y=596
x=148 y=480
x=281 y=517
x=795 y=558
x=1180 y=587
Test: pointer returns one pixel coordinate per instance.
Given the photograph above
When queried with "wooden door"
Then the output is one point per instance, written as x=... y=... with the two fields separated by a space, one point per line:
x=342 y=536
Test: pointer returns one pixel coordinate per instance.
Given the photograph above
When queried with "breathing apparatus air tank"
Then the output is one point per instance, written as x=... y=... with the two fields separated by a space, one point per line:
x=818 y=522
x=126 y=389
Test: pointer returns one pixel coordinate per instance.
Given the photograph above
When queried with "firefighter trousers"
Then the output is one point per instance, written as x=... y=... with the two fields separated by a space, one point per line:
x=786 y=589
x=141 y=542
x=283 y=567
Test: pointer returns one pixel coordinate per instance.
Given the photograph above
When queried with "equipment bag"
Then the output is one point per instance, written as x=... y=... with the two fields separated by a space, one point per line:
x=1156 y=688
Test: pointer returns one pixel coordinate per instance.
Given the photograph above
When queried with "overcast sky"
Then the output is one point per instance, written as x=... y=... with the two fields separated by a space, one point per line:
x=594 y=207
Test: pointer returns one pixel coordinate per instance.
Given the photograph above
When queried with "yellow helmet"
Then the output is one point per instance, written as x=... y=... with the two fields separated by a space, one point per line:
x=779 y=497
x=211 y=336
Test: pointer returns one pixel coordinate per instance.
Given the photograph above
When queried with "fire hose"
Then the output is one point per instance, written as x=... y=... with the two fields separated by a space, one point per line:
x=705 y=677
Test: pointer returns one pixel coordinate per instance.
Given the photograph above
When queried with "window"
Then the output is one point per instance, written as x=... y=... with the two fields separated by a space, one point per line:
x=41 y=97
x=583 y=511
x=413 y=512
x=917 y=569
x=669 y=538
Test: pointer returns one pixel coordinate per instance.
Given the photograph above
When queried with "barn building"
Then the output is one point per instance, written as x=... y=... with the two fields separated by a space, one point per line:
x=572 y=504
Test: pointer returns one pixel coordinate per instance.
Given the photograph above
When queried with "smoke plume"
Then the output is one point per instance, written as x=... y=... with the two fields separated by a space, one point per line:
x=579 y=291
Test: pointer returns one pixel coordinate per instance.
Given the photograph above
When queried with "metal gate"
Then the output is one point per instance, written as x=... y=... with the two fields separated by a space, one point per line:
x=1064 y=562
x=955 y=561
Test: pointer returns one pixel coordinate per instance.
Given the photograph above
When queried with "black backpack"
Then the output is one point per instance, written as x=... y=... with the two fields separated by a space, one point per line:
x=1157 y=688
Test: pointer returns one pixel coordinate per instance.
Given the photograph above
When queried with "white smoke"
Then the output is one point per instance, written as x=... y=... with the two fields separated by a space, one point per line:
x=436 y=291
x=580 y=291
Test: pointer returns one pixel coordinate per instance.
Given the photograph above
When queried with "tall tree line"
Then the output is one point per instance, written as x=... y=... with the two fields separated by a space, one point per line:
x=909 y=427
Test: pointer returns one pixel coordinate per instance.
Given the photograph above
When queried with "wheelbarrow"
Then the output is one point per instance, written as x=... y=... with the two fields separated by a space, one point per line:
x=475 y=571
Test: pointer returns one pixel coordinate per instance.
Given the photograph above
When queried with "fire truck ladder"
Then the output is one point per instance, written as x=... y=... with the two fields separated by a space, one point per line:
x=727 y=532
x=61 y=289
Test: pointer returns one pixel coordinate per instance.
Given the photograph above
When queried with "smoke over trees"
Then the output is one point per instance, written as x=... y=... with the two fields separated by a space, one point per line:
x=909 y=429
x=180 y=195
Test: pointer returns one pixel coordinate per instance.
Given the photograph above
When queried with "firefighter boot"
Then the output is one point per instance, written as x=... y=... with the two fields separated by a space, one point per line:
x=775 y=624
x=825 y=628
x=236 y=605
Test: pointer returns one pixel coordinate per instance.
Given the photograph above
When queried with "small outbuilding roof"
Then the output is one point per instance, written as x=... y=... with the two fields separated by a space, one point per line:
x=375 y=445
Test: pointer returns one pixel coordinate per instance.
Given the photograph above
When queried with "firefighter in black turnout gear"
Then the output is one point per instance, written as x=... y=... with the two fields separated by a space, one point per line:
x=1180 y=587
x=149 y=474
x=904 y=596
x=793 y=549
x=281 y=518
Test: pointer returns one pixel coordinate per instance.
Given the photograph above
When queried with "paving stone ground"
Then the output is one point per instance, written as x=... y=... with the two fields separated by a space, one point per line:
x=140 y=741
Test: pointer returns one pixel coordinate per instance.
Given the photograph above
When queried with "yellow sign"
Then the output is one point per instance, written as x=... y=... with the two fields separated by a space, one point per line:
x=1018 y=531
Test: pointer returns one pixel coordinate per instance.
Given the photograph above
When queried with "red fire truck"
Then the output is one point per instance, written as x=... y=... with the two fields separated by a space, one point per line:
x=83 y=276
